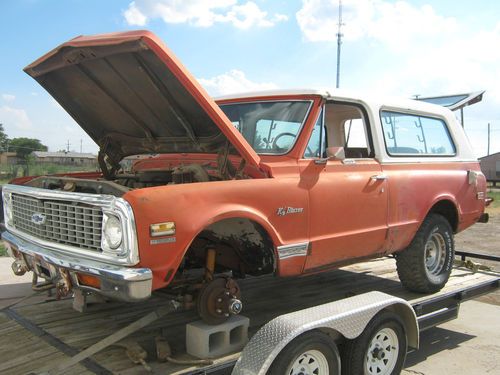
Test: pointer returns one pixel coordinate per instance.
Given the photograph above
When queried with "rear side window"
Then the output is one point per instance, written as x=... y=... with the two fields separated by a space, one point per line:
x=413 y=135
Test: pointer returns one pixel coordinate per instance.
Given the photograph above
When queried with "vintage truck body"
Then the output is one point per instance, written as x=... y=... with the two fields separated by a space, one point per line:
x=286 y=182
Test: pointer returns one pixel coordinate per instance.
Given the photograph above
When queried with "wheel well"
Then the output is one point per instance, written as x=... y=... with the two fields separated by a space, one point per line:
x=242 y=245
x=447 y=209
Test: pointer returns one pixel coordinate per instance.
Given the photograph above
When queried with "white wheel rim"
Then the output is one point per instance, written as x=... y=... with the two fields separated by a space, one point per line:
x=312 y=362
x=382 y=354
x=435 y=254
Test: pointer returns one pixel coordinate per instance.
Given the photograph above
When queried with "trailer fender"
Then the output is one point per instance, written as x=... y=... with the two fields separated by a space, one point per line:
x=347 y=317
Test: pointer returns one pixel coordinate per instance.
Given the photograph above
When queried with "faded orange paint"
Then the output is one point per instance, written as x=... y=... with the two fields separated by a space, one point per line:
x=342 y=211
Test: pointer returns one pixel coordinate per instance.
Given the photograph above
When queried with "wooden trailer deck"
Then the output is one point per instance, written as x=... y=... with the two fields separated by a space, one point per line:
x=37 y=334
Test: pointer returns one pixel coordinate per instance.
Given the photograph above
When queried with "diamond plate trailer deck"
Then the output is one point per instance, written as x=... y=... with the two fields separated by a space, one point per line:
x=38 y=335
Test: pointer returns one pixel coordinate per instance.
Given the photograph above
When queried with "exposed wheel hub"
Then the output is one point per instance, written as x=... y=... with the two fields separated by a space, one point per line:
x=218 y=300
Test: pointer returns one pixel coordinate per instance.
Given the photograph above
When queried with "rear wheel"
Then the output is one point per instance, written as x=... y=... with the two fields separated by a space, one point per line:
x=379 y=350
x=425 y=265
x=312 y=353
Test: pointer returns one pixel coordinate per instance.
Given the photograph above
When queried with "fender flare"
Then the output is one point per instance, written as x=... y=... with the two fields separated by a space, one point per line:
x=348 y=316
x=444 y=197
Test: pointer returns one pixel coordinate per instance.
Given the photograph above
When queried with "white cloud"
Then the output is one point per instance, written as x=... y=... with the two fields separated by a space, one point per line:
x=394 y=23
x=134 y=16
x=201 y=13
x=231 y=82
x=14 y=117
x=8 y=97
x=460 y=64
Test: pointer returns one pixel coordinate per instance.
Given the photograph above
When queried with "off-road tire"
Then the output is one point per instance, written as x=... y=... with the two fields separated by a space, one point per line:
x=356 y=352
x=312 y=340
x=411 y=262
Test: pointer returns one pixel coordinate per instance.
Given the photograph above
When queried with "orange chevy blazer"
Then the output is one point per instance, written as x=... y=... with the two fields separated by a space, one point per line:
x=282 y=182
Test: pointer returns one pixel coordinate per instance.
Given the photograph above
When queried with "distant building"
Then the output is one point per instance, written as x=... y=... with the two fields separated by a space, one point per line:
x=65 y=158
x=8 y=158
x=490 y=166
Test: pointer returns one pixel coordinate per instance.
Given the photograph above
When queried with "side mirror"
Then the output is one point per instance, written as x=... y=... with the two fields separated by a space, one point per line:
x=332 y=153
x=335 y=153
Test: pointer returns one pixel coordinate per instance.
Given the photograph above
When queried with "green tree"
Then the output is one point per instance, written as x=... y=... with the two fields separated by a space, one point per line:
x=25 y=146
x=4 y=139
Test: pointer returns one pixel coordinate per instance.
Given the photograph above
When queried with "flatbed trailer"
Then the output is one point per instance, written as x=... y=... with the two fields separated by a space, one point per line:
x=39 y=333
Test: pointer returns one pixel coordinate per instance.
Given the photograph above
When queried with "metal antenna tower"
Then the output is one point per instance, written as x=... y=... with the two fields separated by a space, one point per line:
x=339 y=42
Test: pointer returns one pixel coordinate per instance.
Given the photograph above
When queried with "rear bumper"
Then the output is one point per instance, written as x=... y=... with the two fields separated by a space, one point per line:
x=116 y=282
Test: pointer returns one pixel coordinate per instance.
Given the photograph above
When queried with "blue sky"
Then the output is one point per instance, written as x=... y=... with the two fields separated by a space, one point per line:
x=397 y=48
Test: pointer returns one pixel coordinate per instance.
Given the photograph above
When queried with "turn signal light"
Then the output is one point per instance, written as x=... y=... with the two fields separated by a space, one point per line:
x=88 y=280
x=162 y=229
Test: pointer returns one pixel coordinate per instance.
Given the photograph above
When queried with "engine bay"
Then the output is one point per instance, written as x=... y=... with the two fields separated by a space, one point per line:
x=147 y=172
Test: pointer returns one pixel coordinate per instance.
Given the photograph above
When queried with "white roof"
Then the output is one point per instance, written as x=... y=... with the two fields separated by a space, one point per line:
x=45 y=154
x=341 y=94
x=380 y=102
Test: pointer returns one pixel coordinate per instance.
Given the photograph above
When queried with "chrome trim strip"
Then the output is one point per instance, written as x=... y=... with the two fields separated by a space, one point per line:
x=108 y=203
x=293 y=250
x=122 y=283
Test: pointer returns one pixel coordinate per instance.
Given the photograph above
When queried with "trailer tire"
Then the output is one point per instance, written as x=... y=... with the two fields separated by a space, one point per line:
x=380 y=349
x=425 y=265
x=313 y=352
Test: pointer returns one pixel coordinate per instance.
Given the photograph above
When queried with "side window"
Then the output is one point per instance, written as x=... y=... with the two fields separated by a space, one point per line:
x=408 y=134
x=355 y=135
x=349 y=127
x=317 y=142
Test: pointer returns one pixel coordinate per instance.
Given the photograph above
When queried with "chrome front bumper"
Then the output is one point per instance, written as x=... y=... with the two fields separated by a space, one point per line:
x=116 y=282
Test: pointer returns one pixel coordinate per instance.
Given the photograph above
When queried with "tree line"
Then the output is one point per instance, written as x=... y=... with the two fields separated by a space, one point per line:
x=22 y=146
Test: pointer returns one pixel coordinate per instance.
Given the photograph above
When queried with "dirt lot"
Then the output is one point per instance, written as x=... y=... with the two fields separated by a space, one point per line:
x=485 y=239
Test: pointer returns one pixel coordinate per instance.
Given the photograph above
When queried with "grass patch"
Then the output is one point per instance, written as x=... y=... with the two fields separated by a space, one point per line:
x=3 y=251
x=495 y=194
x=10 y=171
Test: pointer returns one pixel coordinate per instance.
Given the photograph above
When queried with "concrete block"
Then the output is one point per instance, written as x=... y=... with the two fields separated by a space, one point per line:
x=208 y=341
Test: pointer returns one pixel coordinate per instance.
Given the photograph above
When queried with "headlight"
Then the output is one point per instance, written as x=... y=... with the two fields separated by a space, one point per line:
x=113 y=233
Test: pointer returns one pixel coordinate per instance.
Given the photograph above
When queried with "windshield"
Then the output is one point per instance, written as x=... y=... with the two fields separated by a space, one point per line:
x=270 y=127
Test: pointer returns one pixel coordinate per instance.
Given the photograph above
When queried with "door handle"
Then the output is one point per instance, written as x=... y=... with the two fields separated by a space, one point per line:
x=379 y=177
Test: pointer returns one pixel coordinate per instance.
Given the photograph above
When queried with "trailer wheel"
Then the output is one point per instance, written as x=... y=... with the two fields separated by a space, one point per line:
x=425 y=265
x=379 y=350
x=312 y=353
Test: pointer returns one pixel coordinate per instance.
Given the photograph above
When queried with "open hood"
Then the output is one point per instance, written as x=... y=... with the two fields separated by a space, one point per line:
x=133 y=96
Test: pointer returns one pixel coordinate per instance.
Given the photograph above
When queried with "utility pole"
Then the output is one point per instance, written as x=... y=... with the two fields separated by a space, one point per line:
x=81 y=146
x=339 y=42
x=489 y=131
x=67 y=147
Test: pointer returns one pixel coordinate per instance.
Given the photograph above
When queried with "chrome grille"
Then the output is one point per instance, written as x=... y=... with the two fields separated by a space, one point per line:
x=69 y=223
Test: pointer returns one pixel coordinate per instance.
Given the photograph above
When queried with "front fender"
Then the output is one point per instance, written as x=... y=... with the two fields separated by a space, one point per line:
x=195 y=206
